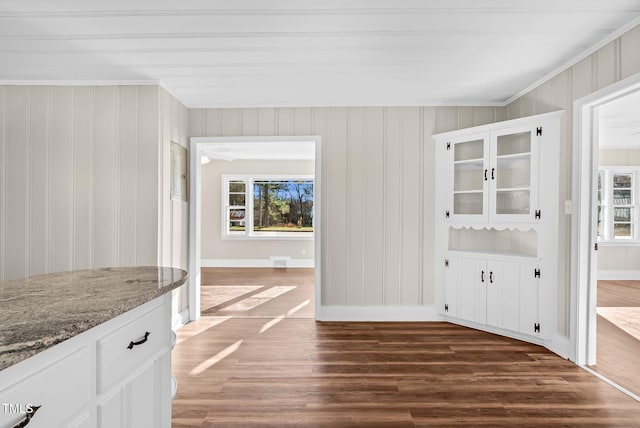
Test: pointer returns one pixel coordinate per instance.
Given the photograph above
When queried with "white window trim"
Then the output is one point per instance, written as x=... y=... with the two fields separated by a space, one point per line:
x=607 y=205
x=248 y=219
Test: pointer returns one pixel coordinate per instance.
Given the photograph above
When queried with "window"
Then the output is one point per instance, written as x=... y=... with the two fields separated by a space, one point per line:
x=267 y=207
x=600 y=206
x=617 y=204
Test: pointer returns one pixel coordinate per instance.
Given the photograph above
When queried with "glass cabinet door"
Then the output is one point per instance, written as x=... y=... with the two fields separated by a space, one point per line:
x=468 y=177
x=511 y=174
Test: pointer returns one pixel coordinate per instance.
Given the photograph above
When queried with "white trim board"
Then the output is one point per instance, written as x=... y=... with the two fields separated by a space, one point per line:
x=256 y=263
x=180 y=319
x=619 y=275
x=378 y=313
x=197 y=146
x=582 y=303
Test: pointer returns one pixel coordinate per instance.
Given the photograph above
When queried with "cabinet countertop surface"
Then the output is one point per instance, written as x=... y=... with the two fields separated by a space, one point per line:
x=41 y=311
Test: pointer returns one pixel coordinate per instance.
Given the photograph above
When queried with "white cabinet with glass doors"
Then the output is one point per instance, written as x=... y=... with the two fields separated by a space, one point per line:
x=494 y=175
x=496 y=226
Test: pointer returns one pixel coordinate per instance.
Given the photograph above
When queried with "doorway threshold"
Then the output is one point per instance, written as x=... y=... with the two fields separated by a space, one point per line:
x=612 y=383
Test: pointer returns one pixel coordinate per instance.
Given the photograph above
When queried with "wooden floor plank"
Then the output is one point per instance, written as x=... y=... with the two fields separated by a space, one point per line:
x=301 y=373
x=617 y=352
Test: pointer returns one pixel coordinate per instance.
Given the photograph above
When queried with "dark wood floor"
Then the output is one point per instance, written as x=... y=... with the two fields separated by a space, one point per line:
x=618 y=352
x=278 y=371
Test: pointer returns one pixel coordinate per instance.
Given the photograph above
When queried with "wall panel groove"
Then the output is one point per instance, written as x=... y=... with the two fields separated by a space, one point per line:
x=3 y=181
x=117 y=179
x=28 y=184
x=92 y=223
x=421 y=190
x=72 y=201
x=401 y=203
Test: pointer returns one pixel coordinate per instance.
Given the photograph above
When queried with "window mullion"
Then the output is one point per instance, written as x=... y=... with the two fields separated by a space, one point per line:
x=249 y=206
x=608 y=182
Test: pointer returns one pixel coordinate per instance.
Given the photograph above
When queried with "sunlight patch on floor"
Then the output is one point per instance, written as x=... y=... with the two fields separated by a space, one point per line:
x=216 y=358
x=260 y=298
x=195 y=328
x=214 y=295
x=279 y=318
x=625 y=318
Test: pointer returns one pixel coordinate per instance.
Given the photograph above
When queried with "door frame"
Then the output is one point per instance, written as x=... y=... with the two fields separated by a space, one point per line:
x=583 y=302
x=197 y=146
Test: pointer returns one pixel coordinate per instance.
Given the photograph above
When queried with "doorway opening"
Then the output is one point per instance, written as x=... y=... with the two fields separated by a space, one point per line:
x=255 y=213
x=605 y=233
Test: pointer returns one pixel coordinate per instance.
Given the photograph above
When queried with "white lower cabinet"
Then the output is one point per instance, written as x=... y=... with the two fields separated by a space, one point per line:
x=503 y=294
x=134 y=373
x=472 y=290
x=51 y=395
x=115 y=375
x=138 y=402
x=110 y=410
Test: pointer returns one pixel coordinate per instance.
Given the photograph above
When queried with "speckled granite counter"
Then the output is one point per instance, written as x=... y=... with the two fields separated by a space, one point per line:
x=41 y=311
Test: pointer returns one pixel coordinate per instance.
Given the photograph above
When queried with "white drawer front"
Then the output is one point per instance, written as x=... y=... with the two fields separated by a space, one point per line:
x=119 y=357
x=61 y=389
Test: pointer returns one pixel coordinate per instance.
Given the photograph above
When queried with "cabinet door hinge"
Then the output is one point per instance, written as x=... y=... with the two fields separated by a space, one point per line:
x=446 y=214
x=595 y=246
x=539 y=131
x=448 y=146
x=446 y=307
x=446 y=262
x=536 y=327
x=538 y=214
x=536 y=273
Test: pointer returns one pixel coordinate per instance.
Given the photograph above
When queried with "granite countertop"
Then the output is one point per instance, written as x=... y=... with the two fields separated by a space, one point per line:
x=41 y=311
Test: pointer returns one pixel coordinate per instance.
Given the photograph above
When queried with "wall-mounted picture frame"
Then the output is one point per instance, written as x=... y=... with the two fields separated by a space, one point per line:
x=179 y=173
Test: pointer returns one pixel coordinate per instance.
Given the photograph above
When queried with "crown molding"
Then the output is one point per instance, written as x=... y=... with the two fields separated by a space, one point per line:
x=576 y=59
x=79 y=82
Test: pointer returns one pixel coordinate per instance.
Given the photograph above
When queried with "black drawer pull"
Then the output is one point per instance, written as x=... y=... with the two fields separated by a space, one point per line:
x=139 y=342
x=27 y=418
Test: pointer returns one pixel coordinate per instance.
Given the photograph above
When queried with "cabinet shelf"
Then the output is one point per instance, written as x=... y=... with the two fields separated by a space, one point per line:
x=494 y=242
x=523 y=155
x=512 y=189
x=495 y=253
x=469 y=165
x=459 y=192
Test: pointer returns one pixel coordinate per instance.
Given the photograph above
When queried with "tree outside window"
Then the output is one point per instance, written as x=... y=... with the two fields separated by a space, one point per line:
x=258 y=206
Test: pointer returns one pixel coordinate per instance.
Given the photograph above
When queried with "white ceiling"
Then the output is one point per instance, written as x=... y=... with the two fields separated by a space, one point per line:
x=252 y=53
x=263 y=150
x=619 y=123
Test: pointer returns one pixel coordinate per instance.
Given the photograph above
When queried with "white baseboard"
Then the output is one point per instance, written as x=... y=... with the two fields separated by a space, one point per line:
x=180 y=319
x=255 y=263
x=619 y=275
x=560 y=345
x=378 y=313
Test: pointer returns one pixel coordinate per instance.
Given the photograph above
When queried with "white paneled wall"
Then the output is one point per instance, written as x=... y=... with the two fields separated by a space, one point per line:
x=613 y=62
x=377 y=190
x=174 y=214
x=79 y=178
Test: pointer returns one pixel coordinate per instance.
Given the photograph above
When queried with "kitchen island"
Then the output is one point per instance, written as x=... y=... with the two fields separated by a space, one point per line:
x=88 y=348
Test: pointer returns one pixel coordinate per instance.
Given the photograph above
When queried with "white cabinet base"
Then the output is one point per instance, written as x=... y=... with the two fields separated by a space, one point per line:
x=69 y=383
